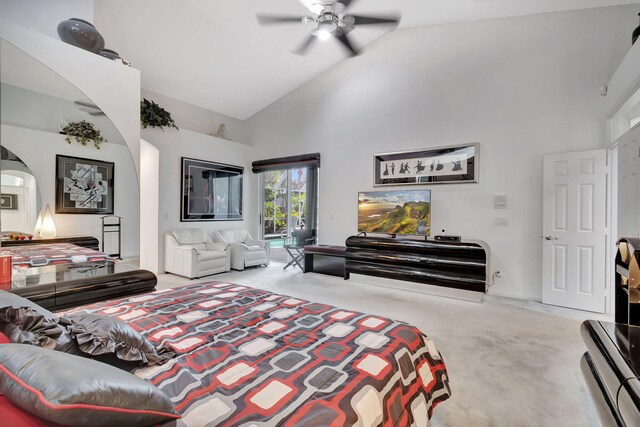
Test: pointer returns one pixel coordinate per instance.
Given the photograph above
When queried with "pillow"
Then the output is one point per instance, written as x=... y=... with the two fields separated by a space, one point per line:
x=13 y=416
x=75 y=391
x=26 y=326
x=7 y=299
x=99 y=335
x=4 y=339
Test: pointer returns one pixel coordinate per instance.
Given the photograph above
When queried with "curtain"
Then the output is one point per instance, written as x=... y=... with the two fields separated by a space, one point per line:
x=285 y=163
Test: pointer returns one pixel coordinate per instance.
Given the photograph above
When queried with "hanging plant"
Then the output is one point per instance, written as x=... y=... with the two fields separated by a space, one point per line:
x=153 y=115
x=83 y=132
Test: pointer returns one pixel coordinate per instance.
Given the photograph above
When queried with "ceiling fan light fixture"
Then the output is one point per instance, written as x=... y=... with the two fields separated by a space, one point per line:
x=324 y=35
x=328 y=22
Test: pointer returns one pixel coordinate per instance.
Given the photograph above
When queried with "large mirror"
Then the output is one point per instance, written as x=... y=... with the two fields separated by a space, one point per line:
x=35 y=105
x=20 y=200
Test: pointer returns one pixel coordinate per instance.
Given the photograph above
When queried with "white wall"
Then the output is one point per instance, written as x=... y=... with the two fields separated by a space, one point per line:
x=521 y=87
x=149 y=205
x=173 y=145
x=44 y=16
x=38 y=150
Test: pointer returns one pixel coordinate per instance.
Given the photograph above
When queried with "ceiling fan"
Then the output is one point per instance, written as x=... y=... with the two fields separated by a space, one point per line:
x=331 y=20
x=87 y=107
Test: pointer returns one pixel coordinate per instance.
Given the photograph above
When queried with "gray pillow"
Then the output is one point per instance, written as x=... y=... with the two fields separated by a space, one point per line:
x=75 y=391
x=103 y=336
x=7 y=299
x=26 y=326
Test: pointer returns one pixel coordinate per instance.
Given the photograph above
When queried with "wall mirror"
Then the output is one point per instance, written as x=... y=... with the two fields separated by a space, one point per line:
x=20 y=200
x=35 y=104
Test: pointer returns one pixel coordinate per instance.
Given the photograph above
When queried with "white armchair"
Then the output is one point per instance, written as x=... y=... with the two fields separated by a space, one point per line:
x=191 y=253
x=245 y=250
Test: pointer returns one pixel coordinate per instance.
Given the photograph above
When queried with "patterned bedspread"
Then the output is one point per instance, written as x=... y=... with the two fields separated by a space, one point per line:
x=247 y=357
x=49 y=254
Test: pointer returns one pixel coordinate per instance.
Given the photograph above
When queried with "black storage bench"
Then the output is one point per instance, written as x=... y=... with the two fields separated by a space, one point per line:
x=325 y=259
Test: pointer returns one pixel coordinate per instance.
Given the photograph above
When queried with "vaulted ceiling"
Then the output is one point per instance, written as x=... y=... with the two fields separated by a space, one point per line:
x=213 y=53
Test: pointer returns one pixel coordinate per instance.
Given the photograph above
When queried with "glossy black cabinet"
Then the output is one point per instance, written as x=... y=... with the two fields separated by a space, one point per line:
x=610 y=367
x=460 y=265
x=627 y=282
x=62 y=286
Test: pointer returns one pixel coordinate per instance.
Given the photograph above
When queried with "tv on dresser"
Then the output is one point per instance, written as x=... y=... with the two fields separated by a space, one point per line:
x=395 y=212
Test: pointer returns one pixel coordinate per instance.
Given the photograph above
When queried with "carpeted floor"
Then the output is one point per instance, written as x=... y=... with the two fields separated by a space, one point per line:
x=512 y=363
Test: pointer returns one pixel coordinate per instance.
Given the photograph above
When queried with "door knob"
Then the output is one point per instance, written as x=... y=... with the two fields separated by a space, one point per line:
x=549 y=237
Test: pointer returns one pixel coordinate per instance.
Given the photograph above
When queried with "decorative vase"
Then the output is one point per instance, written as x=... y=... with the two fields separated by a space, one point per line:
x=82 y=34
x=109 y=54
x=635 y=34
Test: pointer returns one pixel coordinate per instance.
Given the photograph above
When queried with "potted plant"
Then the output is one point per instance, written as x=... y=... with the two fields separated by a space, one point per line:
x=83 y=132
x=153 y=115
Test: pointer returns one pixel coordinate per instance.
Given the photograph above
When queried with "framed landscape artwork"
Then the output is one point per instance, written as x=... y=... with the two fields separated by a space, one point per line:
x=211 y=191
x=445 y=165
x=83 y=186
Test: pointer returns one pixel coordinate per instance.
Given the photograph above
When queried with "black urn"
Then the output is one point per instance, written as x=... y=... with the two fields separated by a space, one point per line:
x=82 y=34
x=635 y=34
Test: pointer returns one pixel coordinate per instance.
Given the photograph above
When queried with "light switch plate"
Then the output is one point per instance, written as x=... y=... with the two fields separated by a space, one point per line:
x=500 y=201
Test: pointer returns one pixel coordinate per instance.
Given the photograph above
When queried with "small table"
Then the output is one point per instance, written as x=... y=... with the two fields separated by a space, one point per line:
x=296 y=253
x=62 y=286
x=325 y=259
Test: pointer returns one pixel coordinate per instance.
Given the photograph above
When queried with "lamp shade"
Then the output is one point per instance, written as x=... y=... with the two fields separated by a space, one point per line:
x=38 y=227
x=48 y=228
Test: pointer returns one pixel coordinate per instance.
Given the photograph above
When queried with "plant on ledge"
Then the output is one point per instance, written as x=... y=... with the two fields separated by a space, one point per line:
x=153 y=115
x=83 y=132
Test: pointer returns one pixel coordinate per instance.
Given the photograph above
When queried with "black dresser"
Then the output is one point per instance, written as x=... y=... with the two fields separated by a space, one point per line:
x=459 y=265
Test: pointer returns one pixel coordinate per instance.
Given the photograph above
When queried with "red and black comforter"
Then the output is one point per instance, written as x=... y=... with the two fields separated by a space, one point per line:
x=248 y=357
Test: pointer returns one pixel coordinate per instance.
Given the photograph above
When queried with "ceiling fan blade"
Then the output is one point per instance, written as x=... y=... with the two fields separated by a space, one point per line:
x=92 y=111
x=86 y=104
x=304 y=46
x=280 y=19
x=344 y=39
x=346 y=3
x=373 y=20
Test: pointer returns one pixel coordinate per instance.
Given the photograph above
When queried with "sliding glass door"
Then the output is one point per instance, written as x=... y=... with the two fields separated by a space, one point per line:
x=284 y=207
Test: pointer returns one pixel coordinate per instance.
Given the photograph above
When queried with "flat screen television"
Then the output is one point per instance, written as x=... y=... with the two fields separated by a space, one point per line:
x=395 y=212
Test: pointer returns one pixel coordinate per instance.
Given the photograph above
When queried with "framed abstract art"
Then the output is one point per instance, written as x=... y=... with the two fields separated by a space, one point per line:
x=84 y=186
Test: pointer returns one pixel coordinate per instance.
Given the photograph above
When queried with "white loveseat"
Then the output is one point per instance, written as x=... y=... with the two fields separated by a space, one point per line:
x=191 y=253
x=245 y=250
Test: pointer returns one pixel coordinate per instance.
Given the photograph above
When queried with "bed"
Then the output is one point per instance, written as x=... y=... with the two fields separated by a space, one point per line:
x=35 y=255
x=248 y=357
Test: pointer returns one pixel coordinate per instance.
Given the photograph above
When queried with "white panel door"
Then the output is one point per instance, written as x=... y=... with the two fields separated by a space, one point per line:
x=574 y=230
